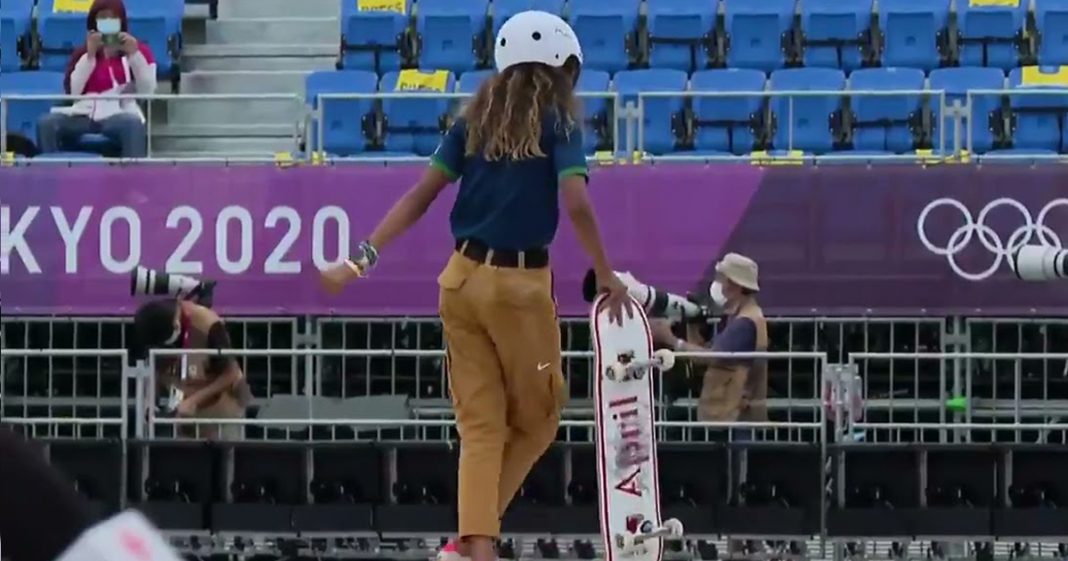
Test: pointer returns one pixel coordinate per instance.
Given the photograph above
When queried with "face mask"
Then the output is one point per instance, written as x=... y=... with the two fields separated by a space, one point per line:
x=109 y=26
x=716 y=292
x=174 y=336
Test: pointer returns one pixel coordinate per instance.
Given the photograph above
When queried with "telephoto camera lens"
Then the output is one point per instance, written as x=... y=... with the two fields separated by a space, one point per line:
x=1040 y=263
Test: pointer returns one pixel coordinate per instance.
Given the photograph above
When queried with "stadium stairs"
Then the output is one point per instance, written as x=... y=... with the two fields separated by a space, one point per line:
x=254 y=47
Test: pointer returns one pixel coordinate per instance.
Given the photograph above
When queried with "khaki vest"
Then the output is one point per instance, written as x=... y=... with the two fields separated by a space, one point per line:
x=737 y=390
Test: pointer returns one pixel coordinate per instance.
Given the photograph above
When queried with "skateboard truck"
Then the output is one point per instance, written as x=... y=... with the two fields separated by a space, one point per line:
x=630 y=541
x=627 y=368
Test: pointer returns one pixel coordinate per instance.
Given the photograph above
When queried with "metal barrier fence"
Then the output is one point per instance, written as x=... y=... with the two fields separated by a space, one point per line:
x=975 y=419
x=949 y=117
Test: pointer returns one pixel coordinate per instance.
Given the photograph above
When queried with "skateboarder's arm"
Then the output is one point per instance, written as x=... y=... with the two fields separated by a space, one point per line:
x=577 y=204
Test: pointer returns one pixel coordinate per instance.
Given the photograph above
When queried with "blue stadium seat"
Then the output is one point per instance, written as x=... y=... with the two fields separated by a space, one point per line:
x=811 y=117
x=755 y=32
x=451 y=34
x=990 y=32
x=883 y=122
x=504 y=9
x=1040 y=122
x=956 y=82
x=414 y=125
x=373 y=40
x=681 y=33
x=662 y=115
x=837 y=33
x=597 y=127
x=728 y=124
x=22 y=116
x=913 y=31
x=158 y=23
x=605 y=29
x=15 y=19
x=469 y=82
x=60 y=34
x=1051 y=20
x=344 y=121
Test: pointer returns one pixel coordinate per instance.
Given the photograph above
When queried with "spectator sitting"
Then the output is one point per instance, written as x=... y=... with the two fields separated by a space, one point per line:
x=112 y=62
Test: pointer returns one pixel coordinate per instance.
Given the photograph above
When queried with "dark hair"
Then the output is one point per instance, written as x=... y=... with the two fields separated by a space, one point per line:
x=154 y=323
x=504 y=119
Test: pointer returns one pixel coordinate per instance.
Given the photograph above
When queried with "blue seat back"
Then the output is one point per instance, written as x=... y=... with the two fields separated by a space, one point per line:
x=835 y=20
x=956 y=83
x=15 y=18
x=504 y=9
x=910 y=31
x=342 y=119
x=22 y=116
x=658 y=112
x=989 y=32
x=602 y=27
x=882 y=121
x=1040 y=118
x=157 y=23
x=372 y=37
x=1051 y=19
x=807 y=116
x=414 y=125
x=675 y=20
x=594 y=81
x=60 y=33
x=469 y=82
x=755 y=31
x=449 y=32
x=722 y=123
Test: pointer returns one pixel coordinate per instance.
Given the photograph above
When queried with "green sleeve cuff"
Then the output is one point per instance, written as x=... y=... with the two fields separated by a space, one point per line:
x=440 y=165
x=574 y=170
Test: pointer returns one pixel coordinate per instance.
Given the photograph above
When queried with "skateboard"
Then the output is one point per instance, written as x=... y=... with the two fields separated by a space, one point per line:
x=628 y=482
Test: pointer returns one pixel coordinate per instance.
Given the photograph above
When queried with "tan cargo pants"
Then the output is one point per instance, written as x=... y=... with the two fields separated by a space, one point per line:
x=502 y=337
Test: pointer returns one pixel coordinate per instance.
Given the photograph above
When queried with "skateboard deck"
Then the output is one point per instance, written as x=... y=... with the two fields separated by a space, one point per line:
x=628 y=482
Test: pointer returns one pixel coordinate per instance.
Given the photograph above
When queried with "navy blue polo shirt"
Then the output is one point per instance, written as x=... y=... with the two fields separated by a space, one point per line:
x=507 y=204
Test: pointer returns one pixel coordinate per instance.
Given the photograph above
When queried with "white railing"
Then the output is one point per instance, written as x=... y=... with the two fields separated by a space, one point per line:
x=954 y=131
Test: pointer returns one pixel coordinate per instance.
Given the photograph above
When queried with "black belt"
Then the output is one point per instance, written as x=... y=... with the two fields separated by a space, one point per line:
x=528 y=259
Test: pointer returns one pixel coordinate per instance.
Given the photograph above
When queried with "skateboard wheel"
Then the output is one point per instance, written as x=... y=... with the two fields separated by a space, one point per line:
x=674 y=526
x=616 y=372
x=666 y=358
x=625 y=542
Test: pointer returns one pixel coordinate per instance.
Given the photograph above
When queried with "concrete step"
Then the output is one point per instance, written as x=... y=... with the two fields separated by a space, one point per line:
x=279 y=8
x=222 y=147
x=240 y=112
x=292 y=30
x=224 y=130
x=256 y=57
x=243 y=82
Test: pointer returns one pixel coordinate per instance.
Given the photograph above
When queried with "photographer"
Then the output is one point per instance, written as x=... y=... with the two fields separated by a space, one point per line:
x=211 y=386
x=732 y=389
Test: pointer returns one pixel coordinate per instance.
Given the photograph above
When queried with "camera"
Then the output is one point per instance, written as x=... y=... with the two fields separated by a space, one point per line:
x=657 y=303
x=150 y=282
x=1040 y=263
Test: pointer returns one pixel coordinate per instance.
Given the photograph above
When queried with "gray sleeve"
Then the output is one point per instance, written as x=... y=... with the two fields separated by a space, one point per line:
x=738 y=337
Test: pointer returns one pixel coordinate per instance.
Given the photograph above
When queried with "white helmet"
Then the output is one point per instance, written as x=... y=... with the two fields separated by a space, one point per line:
x=535 y=36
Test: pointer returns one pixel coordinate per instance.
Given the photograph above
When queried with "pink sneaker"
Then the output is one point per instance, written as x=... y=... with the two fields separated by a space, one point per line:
x=450 y=552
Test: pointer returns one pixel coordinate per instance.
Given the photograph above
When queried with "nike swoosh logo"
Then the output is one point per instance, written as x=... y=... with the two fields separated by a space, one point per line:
x=542 y=366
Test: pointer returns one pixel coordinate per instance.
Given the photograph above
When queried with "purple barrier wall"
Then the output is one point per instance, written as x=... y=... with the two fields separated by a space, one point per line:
x=832 y=240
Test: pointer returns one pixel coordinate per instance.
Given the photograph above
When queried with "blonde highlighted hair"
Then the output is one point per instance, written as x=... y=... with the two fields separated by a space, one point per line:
x=505 y=117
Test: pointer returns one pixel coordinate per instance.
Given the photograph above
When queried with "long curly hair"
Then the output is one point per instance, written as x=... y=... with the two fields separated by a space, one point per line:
x=504 y=119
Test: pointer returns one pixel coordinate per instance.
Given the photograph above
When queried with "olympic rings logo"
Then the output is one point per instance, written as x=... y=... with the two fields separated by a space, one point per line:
x=1032 y=232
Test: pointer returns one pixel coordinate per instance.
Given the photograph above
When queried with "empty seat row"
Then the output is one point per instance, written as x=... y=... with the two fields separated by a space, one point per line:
x=411 y=487
x=741 y=112
x=48 y=42
x=694 y=34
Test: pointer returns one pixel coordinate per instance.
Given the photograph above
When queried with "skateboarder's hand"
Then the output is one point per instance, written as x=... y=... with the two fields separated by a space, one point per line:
x=617 y=301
